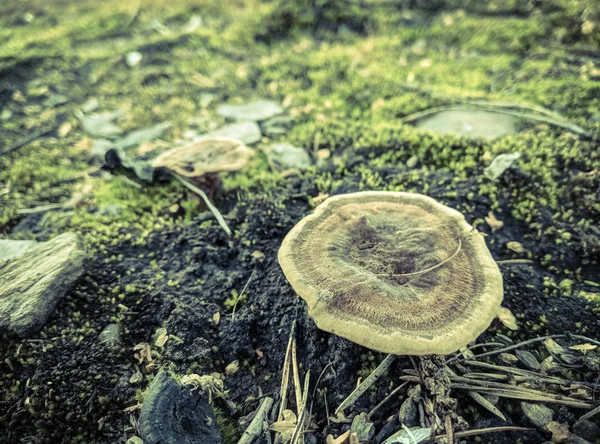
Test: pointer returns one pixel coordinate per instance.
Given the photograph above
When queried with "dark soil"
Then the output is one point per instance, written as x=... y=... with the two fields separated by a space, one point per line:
x=202 y=268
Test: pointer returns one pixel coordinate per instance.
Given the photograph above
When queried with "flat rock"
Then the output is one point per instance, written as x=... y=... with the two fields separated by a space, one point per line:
x=14 y=248
x=587 y=430
x=247 y=132
x=538 y=414
x=470 y=123
x=32 y=284
x=177 y=415
x=288 y=156
x=253 y=112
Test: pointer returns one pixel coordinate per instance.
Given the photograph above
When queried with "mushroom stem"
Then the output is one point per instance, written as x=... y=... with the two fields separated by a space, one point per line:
x=206 y=200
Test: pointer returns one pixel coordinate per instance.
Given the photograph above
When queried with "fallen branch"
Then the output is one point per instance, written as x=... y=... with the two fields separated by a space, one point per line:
x=439 y=438
x=456 y=360
x=28 y=140
x=509 y=391
x=256 y=427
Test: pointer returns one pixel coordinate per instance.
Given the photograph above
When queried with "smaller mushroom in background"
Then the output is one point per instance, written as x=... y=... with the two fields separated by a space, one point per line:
x=197 y=166
x=395 y=272
x=201 y=162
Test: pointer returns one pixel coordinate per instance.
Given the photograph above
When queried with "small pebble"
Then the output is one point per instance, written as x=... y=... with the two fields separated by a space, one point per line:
x=528 y=359
x=587 y=430
x=538 y=414
x=133 y=58
x=110 y=334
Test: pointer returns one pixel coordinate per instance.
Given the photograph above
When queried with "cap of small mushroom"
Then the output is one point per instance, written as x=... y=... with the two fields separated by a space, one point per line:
x=203 y=160
x=395 y=272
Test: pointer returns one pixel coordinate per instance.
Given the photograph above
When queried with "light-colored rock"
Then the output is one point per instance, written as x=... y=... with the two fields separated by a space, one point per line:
x=470 y=123
x=363 y=428
x=110 y=335
x=14 y=248
x=247 y=132
x=32 y=284
x=286 y=156
x=254 y=111
x=500 y=164
x=176 y=414
x=538 y=414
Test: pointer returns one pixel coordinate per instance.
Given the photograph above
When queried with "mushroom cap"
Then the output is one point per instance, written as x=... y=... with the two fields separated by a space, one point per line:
x=395 y=272
x=211 y=155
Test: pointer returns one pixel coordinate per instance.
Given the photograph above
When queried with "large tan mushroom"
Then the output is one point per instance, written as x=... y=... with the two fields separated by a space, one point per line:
x=395 y=272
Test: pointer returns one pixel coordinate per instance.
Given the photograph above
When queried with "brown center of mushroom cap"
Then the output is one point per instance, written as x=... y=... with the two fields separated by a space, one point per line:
x=396 y=272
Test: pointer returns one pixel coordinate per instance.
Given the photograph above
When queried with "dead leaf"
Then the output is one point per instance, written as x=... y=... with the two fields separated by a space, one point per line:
x=583 y=347
x=494 y=223
x=509 y=358
x=146 y=147
x=133 y=408
x=516 y=247
x=144 y=352
x=560 y=432
x=84 y=144
x=320 y=198
x=64 y=130
x=507 y=318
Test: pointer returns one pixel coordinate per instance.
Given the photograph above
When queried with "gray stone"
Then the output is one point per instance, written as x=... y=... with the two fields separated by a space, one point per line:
x=247 y=132
x=587 y=430
x=14 y=248
x=528 y=360
x=112 y=210
x=414 y=436
x=538 y=414
x=110 y=335
x=254 y=112
x=363 y=428
x=32 y=284
x=175 y=414
x=288 y=156
x=500 y=164
x=276 y=126
x=133 y=58
x=409 y=413
x=102 y=124
x=470 y=123
x=138 y=137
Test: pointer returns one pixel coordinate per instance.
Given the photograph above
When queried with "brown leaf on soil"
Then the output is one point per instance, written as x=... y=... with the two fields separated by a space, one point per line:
x=64 y=130
x=144 y=352
x=560 y=432
x=147 y=147
x=507 y=318
x=340 y=439
x=320 y=198
x=516 y=247
x=494 y=223
x=583 y=347
x=84 y=144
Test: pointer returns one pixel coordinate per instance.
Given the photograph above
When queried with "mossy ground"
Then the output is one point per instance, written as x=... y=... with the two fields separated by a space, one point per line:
x=346 y=74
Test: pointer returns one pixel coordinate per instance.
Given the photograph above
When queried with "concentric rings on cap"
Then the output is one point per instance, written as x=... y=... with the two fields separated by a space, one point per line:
x=395 y=272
